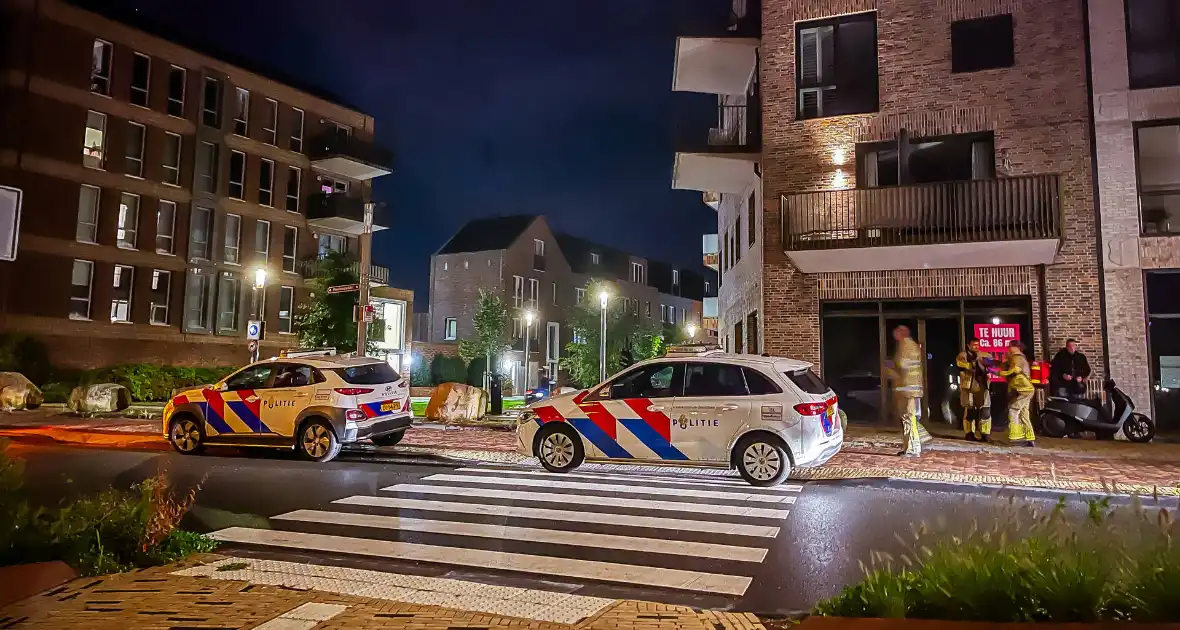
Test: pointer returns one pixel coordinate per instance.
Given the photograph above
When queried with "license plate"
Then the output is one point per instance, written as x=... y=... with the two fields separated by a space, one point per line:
x=389 y=406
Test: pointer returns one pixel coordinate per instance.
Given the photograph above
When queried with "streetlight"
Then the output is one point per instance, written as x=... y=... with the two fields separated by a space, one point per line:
x=692 y=332
x=259 y=287
x=528 y=322
x=603 y=298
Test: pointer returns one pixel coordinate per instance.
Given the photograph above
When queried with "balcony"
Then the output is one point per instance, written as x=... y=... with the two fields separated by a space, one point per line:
x=342 y=212
x=711 y=251
x=709 y=314
x=345 y=155
x=1013 y=221
x=721 y=159
x=722 y=61
x=712 y=199
x=310 y=269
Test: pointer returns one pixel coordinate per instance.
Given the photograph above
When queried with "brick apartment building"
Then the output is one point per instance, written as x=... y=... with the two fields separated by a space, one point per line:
x=534 y=268
x=920 y=162
x=156 y=181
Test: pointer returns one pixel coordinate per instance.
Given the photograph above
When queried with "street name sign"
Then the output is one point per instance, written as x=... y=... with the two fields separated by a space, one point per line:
x=344 y=288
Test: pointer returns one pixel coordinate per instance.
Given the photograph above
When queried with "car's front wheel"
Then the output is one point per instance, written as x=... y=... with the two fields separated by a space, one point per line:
x=186 y=435
x=559 y=448
x=318 y=442
x=762 y=460
x=389 y=439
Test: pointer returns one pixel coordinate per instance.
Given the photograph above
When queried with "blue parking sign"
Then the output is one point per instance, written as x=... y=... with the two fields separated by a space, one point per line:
x=254 y=329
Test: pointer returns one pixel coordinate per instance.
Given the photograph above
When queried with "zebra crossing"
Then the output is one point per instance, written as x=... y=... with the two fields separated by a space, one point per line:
x=696 y=533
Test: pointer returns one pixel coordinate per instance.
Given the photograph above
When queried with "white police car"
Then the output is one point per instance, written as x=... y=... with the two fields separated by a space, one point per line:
x=313 y=402
x=761 y=415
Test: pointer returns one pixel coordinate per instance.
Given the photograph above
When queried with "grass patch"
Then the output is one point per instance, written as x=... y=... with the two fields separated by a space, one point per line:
x=1111 y=564
x=233 y=566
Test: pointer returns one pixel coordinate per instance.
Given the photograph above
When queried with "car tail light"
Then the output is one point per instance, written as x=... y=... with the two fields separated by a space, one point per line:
x=354 y=414
x=811 y=408
x=353 y=391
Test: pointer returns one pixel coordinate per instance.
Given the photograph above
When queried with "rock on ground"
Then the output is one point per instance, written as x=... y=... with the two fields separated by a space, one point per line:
x=18 y=392
x=454 y=402
x=100 y=398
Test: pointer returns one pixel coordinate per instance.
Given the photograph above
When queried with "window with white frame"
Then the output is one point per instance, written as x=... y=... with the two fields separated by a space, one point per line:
x=262 y=240
x=328 y=243
x=87 y=231
x=595 y=258
x=296 y=130
x=207 y=168
x=133 y=162
x=94 y=142
x=664 y=313
x=683 y=316
x=647 y=309
x=80 y=283
x=534 y=292
x=242 y=112
x=233 y=239
x=517 y=328
x=517 y=291
x=290 y=236
x=172 y=159
x=237 y=175
x=637 y=273
x=286 y=308
x=294 y=185
x=165 y=226
x=266 y=182
x=198 y=295
x=579 y=295
x=450 y=329
x=177 y=77
x=128 y=221
x=160 y=296
x=675 y=277
x=211 y=103
x=229 y=287
x=124 y=281
x=100 y=67
x=538 y=247
x=141 y=78
x=200 y=229
x=270 y=122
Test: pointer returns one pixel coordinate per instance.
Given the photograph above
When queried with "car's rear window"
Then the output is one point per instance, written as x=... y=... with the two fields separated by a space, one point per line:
x=807 y=381
x=368 y=374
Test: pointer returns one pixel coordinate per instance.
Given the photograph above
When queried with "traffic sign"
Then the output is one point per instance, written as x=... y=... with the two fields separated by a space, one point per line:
x=253 y=346
x=344 y=288
x=255 y=329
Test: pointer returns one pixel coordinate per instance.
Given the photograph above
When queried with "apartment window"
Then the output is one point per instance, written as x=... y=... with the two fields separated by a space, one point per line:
x=595 y=258
x=297 y=130
x=517 y=328
x=579 y=295
x=128 y=220
x=290 y=235
x=534 y=292
x=161 y=294
x=752 y=219
x=982 y=44
x=554 y=294
x=100 y=68
x=538 y=254
x=1153 y=43
x=172 y=159
x=286 y=308
x=450 y=329
x=329 y=185
x=133 y=164
x=121 y=296
x=647 y=310
x=211 y=103
x=752 y=332
x=80 y=282
x=836 y=66
x=165 y=226
x=737 y=239
x=954 y=158
x=294 y=185
x=635 y=307
x=199 y=231
x=262 y=240
x=675 y=277
x=177 y=77
x=328 y=243
x=198 y=294
x=141 y=77
x=237 y=174
x=517 y=291
x=1157 y=150
x=637 y=273
x=207 y=168
x=232 y=250
x=270 y=122
x=87 y=231
x=242 y=112
x=94 y=143
x=664 y=313
x=229 y=287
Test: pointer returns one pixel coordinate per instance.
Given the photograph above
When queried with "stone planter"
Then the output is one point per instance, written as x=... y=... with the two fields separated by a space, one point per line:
x=18 y=392
x=100 y=398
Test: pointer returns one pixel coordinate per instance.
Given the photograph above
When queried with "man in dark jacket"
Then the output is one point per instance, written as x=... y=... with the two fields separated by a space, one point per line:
x=1069 y=371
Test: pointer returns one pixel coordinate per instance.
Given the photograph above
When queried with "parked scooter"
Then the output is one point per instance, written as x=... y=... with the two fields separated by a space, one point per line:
x=1062 y=417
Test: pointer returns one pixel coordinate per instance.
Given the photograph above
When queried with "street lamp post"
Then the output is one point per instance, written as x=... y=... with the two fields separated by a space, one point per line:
x=692 y=333
x=603 y=297
x=528 y=322
x=259 y=286
x=366 y=243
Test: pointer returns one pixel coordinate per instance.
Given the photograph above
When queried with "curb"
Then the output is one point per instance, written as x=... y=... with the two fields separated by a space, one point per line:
x=135 y=441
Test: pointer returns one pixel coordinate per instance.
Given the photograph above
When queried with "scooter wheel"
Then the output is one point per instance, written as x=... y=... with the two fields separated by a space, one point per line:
x=1053 y=425
x=1139 y=428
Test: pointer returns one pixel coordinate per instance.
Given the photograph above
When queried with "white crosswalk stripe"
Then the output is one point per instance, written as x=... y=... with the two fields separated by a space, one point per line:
x=691 y=534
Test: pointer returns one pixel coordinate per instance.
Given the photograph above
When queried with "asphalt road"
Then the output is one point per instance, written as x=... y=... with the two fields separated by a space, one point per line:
x=607 y=533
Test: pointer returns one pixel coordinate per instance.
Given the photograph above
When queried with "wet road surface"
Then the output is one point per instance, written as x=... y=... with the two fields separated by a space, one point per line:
x=700 y=540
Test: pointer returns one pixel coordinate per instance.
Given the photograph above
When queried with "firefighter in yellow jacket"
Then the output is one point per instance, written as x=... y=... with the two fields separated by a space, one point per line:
x=906 y=374
x=973 y=392
x=1020 y=393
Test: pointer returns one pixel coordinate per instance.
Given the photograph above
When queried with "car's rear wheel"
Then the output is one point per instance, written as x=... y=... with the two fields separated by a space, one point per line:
x=389 y=439
x=318 y=442
x=762 y=460
x=186 y=435
x=558 y=447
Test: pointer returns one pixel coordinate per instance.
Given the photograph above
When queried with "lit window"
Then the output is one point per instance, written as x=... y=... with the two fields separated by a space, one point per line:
x=94 y=144
x=128 y=220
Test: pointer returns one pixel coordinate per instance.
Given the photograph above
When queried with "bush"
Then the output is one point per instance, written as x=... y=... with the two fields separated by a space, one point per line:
x=24 y=354
x=1113 y=565
x=444 y=369
x=108 y=532
x=56 y=392
x=475 y=371
x=420 y=371
x=148 y=383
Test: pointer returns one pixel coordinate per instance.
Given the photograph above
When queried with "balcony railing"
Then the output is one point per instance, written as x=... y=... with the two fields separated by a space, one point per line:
x=710 y=250
x=311 y=269
x=332 y=208
x=333 y=144
x=1007 y=209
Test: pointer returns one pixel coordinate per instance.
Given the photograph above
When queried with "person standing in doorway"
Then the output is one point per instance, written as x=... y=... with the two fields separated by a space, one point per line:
x=905 y=372
x=1020 y=393
x=1068 y=372
x=973 y=392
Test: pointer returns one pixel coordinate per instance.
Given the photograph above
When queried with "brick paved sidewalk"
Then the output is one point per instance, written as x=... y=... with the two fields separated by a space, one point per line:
x=158 y=598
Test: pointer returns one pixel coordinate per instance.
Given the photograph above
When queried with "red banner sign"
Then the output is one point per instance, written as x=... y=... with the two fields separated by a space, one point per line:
x=996 y=337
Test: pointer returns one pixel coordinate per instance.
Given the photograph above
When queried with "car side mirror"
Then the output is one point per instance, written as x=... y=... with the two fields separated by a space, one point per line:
x=617 y=391
x=218 y=387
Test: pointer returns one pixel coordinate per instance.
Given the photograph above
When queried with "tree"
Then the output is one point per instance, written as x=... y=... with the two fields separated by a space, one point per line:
x=444 y=369
x=419 y=371
x=628 y=338
x=491 y=322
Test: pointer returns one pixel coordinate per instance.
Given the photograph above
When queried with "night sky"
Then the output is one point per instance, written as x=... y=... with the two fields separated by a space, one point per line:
x=561 y=108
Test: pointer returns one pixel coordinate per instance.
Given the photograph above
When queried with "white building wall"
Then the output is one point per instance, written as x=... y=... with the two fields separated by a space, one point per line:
x=740 y=292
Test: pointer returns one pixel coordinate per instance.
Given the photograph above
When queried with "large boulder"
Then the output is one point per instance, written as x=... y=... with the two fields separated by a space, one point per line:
x=456 y=402
x=99 y=398
x=18 y=392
